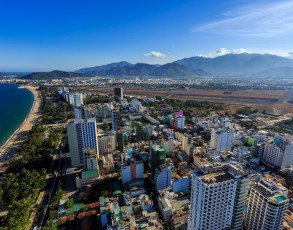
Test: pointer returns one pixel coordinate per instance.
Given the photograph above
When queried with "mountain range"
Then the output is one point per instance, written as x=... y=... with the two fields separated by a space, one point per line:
x=56 y=74
x=142 y=69
x=244 y=64
x=235 y=64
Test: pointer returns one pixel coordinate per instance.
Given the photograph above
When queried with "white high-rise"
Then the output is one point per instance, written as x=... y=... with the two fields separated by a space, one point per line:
x=136 y=105
x=107 y=142
x=267 y=206
x=78 y=99
x=221 y=140
x=279 y=153
x=180 y=122
x=217 y=199
x=81 y=133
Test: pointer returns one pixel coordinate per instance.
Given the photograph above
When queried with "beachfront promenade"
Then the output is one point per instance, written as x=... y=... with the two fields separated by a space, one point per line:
x=9 y=148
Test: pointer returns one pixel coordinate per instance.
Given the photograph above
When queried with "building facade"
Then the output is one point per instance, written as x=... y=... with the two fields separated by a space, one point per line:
x=158 y=156
x=81 y=133
x=267 y=206
x=132 y=171
x=162 y=177
x=221 y=140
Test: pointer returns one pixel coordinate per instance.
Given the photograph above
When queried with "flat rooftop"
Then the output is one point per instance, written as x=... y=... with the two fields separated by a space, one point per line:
x=215 y=177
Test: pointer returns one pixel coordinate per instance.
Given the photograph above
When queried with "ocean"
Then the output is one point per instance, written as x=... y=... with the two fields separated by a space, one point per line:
x=15 y=105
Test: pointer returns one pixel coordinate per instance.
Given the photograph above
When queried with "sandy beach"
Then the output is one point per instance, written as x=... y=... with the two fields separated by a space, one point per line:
x=9 y=148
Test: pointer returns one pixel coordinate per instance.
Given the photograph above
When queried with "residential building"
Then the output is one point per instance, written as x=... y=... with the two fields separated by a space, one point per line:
x=131 y=171
x=180 y=184
x=120 y=141
x=78 y=113
x=221 y=140
x=116 y=120
x=180 y=122
x=186 y=141
x=107 y=142
x=91 y=161
x=118 y=93
x=162 y=177
x=217 y=199
x=279 y=153
x=78 y=99
x=81 y=133
x=136 y=105
x=168 y=143
x=267 y=206
x=158 y=156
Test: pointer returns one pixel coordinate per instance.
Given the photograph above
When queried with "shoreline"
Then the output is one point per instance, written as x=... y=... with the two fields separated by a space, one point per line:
x=10 y=137
x=8 y=149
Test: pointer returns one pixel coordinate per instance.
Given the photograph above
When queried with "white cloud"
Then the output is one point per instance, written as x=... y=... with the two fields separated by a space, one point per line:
x=223 y=51
x=155 y=54
x=260 y=19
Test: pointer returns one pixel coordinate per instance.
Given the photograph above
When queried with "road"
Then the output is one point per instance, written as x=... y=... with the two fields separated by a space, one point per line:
x=52 y=185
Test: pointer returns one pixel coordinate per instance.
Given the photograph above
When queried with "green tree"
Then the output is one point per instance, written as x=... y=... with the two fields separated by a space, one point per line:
x=69 y=203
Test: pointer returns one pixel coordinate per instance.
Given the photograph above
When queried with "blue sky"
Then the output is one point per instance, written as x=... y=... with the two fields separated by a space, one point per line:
x=68 y=35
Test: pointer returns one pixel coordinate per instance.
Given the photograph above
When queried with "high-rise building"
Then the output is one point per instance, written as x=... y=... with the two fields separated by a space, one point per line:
x=107 y=142
x=116 y=120
x=102 y=111
x=162 y=177
x=69 y=98
x=280 y=152
x=186 y=141
x=120 y=141
x=136 y=105
x=78 y=99
x=180 y=184
x=168 y=143
x=78 y=113
x=118 y=93
x=267 y=206
x=158 y=156
x=91 y=161
x=131 y=171
x=180 y=122
x=81 y=133
x=63 y=91
x=217 y=199
x=175 y=115
x=221 y=140
x=139 y=130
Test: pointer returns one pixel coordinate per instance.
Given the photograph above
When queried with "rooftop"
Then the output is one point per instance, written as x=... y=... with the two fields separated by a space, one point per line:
x=216 y=177
x=89 y=173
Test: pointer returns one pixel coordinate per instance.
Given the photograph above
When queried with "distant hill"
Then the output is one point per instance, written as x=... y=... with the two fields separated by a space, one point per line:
x=104 y=67
x=56 y=74
x=237 y=63
x=279 y=71
x=141 y=69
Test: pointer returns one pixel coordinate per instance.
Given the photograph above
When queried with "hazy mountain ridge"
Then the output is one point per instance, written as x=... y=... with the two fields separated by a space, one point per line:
x=237 y=63
x=229 y=64
x=56 y=74
x=142 y=69
x=104 y=67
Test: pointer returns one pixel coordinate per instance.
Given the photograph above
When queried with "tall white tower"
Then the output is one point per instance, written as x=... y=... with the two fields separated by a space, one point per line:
x=81 y=133
x=267 y=206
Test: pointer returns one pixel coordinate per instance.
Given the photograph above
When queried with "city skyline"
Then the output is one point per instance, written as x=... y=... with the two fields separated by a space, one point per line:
x=39 y=36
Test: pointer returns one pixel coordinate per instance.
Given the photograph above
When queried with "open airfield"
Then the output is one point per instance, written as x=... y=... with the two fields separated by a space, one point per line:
x=274 y=101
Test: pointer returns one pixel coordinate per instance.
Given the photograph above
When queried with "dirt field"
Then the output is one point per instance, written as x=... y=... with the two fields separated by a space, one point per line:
x=270 y=100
